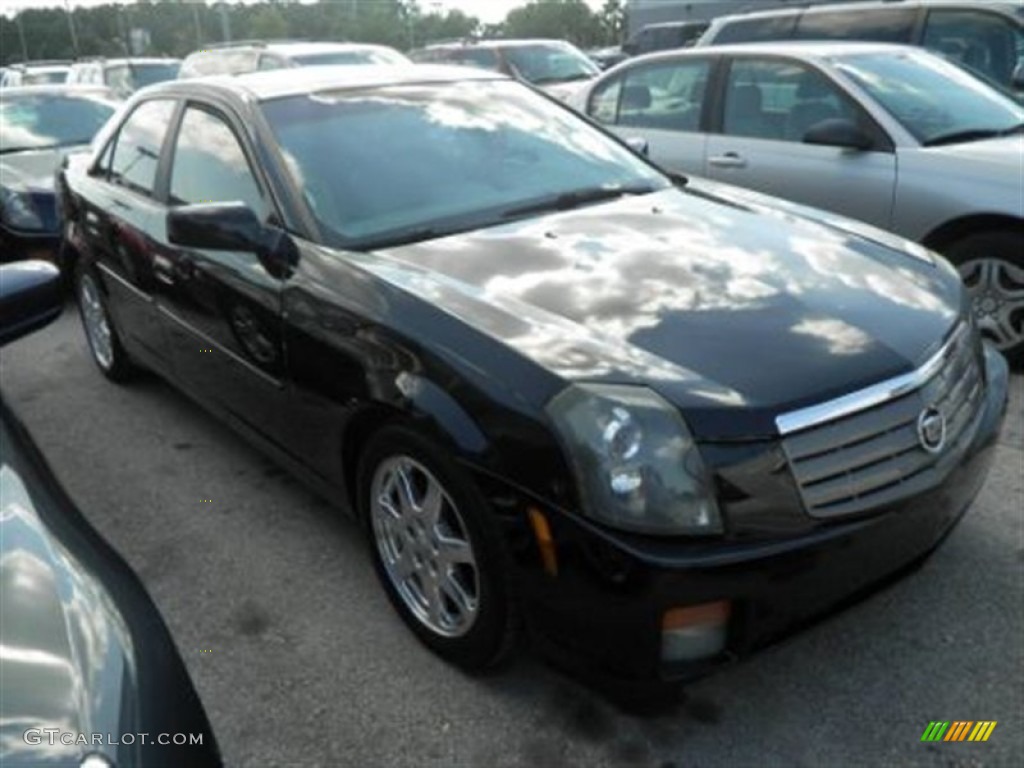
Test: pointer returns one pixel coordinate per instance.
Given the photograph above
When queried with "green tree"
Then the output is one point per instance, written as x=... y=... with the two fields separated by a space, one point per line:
x=564 y=19
x=267 y=23
x=612 y=18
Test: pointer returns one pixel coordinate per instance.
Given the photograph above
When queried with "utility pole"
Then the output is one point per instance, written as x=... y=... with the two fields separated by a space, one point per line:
x=225 y=22
x=71 y=27
x=123 y=31
x=199 y=29
x=21 y=34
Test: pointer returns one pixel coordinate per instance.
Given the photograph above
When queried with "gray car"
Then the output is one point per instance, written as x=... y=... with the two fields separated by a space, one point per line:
x=891 y=135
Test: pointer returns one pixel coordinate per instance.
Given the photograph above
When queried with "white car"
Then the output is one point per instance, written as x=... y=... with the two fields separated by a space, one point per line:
x=891 y=135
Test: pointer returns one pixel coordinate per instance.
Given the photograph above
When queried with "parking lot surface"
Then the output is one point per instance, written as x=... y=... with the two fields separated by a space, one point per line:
x=307 y=664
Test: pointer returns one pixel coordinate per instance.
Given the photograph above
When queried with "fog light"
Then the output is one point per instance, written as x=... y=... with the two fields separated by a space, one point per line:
x=694 y=632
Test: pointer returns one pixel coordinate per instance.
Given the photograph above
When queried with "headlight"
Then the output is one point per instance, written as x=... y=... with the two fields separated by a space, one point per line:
x=17 y=210
x=637 y=466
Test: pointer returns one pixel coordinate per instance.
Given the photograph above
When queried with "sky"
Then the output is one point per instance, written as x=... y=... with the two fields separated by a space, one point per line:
x=488 y=11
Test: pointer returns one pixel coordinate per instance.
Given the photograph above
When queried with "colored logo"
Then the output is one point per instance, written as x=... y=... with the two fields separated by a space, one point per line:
x=958 y=730
x=931 y=429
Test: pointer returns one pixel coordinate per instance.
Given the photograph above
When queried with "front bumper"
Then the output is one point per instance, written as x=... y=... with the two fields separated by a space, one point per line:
x=601 y=613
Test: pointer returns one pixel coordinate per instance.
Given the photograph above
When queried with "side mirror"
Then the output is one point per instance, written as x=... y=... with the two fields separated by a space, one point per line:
x=216 y=227
x=31 y=297
x=639 y=145
x=838 y=132
x=232 y=227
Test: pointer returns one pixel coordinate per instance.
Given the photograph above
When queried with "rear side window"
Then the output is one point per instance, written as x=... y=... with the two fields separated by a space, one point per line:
x=757 y=30
x=483 y=58
x=138 y=144
x=210 y=165
x=666 y=96
x=886 y=25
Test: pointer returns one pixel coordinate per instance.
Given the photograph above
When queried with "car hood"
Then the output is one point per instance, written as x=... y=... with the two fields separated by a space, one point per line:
x=733 y=309
x=988 y=159
x=65 y=655
x=33 y=170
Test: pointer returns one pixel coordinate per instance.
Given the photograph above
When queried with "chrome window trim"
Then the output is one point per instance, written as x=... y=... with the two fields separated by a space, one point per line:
x=861 y=400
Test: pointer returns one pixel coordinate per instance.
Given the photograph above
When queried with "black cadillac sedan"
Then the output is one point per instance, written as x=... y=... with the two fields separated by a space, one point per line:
x=654 y=423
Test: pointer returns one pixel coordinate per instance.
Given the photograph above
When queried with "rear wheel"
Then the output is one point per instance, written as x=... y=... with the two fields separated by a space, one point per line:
x=992 y=266
x=436 y=549
x=104 y=342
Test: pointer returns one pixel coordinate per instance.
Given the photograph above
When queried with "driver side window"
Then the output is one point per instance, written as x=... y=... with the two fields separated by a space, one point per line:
x=780 y=100
x=210 y=165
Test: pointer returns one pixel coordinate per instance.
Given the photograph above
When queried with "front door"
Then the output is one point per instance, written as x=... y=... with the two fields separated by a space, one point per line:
x=222 y=309
x=769 y=104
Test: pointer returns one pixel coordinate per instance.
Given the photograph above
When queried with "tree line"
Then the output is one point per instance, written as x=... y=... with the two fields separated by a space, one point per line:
x=177 y=27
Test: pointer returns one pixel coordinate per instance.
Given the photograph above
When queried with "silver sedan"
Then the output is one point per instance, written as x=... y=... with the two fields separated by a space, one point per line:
x=894 y=136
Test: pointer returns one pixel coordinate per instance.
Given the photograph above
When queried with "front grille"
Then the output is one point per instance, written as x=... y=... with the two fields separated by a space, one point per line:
x=870 y=456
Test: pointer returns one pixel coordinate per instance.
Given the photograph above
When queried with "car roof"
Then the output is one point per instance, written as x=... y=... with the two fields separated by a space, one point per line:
x=674 y=24
x=495 y=43
x=1008 y=6
x=306 y=49
x=808 y=49
x=279 y=83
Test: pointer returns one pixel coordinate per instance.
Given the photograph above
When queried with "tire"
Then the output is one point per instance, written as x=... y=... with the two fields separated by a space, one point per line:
x=992 y=266
x=424 y=567
x=105 y=346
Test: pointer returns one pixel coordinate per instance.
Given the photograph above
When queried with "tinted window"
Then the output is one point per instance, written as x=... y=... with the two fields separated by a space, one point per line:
x=148 y=74
x=138 y=144
x=209 y=164
x=667 y=96
x=401 y=159
x=44 y=120
x=983 y=42
x=890 y=25
x=780 y=100
x=483 y=58
x=757 y=30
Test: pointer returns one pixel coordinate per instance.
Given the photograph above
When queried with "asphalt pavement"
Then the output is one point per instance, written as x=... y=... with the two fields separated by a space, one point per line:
x=300 y=660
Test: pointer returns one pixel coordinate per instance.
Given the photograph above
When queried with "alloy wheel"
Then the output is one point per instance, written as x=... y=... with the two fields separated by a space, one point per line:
x=997 y=291
x=424 y=546
x=97 y=325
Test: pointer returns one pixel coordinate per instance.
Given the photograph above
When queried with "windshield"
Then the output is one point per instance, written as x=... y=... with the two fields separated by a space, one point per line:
x=45 y=76
x=357 y=56
x=373 y=164
x=47 y=120
x=550 y=63
x=934 y=100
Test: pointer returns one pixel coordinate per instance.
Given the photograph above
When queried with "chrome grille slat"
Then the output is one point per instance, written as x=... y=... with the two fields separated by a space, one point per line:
x=872 y=456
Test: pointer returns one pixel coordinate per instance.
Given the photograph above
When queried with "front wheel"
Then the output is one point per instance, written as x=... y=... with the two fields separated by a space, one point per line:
x=104 y=343
x=992 y=266
x=436 y=549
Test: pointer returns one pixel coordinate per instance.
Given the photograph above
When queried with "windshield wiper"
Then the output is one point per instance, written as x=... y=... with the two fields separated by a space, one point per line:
x=577 y=198
x=8 y=150
x=961 y=137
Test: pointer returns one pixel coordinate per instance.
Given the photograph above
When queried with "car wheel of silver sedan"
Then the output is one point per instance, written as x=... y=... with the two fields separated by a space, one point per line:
x=104 y=342
x=436 y=548
x=992 y=267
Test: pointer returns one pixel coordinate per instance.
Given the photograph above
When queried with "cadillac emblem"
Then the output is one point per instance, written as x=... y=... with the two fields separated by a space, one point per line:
x=931 y=429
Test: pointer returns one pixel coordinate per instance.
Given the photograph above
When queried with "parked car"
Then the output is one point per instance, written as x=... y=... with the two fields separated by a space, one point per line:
x=891 y=135
x=661 y=423
x=555 y=66
x=39 y=125
x=123 y=76
x=664 y=37
x=250 y=56
x=606 y=58
x=986 y=35
x=35 y=73
x=91 y=675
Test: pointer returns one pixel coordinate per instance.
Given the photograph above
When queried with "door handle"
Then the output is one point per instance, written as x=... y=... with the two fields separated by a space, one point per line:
x=728 y=160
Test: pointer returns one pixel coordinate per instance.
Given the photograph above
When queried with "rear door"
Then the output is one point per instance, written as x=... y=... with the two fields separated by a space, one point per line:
x=222 y=308
x=119 y=224
x=767 y=106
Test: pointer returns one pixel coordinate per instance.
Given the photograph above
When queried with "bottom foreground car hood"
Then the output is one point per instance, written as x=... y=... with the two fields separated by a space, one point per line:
x=734 y=310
